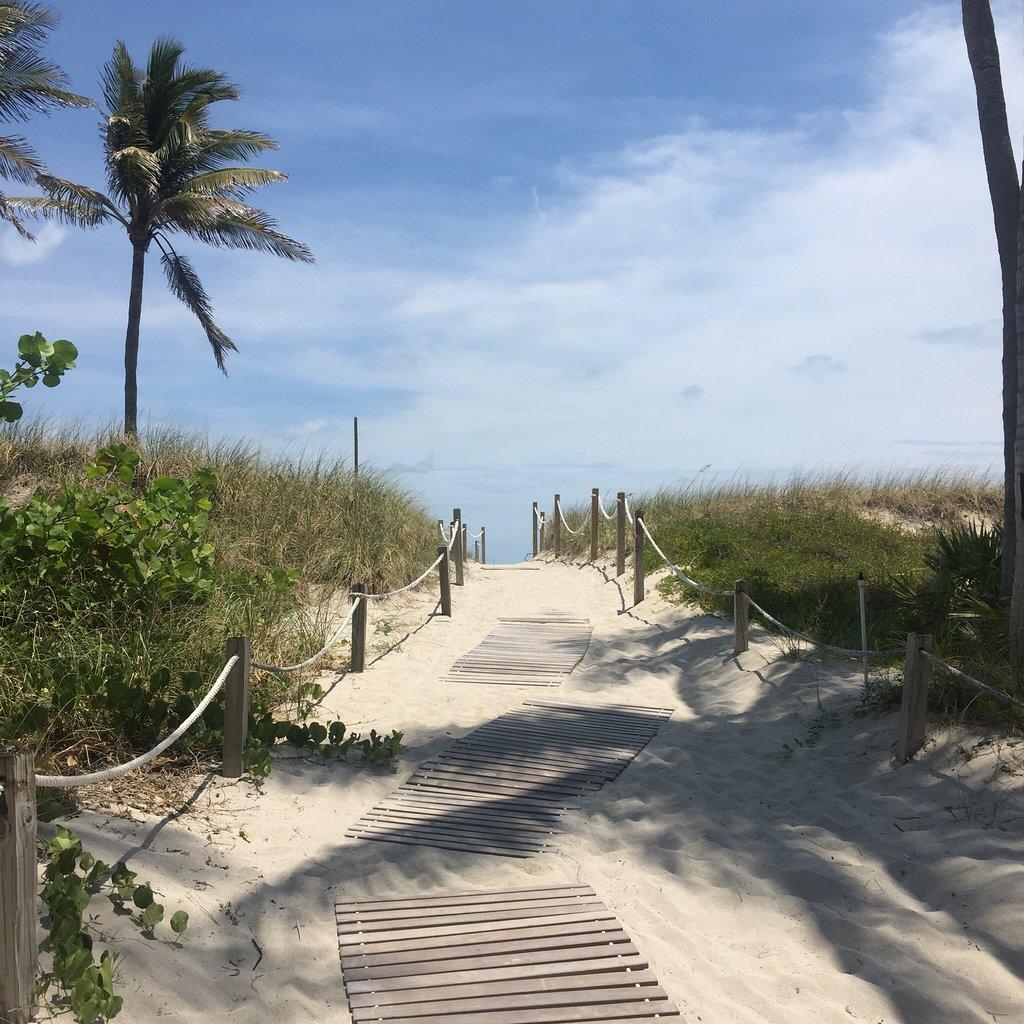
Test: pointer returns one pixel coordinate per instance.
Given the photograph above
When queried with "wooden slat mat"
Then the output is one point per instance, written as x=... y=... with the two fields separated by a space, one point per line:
x=504 y=788
x=528 y=651
x=505 y=956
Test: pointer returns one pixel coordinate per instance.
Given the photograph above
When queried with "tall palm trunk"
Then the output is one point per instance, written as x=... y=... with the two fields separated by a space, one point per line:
x=1017 y=601
x=131 y=341
x=1004 y=190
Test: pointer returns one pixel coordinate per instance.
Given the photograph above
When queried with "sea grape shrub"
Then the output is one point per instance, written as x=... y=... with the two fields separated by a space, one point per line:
x=71 y=878
x=107 y=547
x=38 y=360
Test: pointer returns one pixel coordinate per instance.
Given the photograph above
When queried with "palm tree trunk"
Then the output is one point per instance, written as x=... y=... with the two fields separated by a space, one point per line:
x=1017 y=600
x=1004 y=190
x=131 y=342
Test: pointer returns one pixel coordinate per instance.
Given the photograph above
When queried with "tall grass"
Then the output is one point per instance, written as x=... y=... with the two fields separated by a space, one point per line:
x=801 y=543
x=86 y=693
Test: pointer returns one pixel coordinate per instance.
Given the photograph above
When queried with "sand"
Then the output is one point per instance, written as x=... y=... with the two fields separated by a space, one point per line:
x=763 y=852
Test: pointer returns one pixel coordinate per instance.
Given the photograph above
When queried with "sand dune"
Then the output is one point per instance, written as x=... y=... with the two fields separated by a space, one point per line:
x=762 y=851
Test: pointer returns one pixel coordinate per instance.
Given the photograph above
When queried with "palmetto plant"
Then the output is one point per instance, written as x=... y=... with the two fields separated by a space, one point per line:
x=169 y=172
x=29 y=84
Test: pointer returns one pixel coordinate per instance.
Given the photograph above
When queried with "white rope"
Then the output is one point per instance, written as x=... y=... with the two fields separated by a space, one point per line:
x=842 y=652
x=477 y=536
x=679 y=572
x=561 y=515
x=607 y=515
x=629 y=514
x=944 y=666
x=456 y=529
x=416 y=582
x=319 y=654
x=72 y=781
x=444 y=536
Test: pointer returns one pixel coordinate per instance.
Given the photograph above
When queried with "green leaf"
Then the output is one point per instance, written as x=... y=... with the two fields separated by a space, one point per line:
x=179 y=922
x=152 y=915
x=143 y=897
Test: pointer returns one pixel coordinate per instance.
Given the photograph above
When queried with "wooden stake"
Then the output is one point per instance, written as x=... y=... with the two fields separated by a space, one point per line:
x=595 y=497
x=558 y=525
x=236 y=707
x=740 y=616
x=355 y=444
x=638 y=556
x=483 y=545
x=476 y=551
x=357 y=660
x=18 y=949
x=446 y=583
x=543 y=523
x=917 y=679
x=536 y=529
x=620 y=533
x=458 y=548
x=465 y=541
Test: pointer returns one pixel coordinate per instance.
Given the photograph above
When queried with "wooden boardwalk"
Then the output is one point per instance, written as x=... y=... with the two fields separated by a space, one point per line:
x=503 y=788
x=537 y=650
x=508 y=956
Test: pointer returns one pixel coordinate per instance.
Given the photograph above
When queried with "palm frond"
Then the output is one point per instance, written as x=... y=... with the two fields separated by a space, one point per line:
x=30 y=83
x=23 y=22
x=185 y=285
x=69 y=203
x=232 y=225
x=234 y=144
x=7 y=213
x=18 y=160
x=237 y=182
x=121 y=81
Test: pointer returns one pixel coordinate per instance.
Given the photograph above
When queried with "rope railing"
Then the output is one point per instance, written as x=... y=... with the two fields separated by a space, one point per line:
x=561 y=515
x=689 y=581
x=409 y=586
x=319 y=654
x=73 y=781
x=963 y=677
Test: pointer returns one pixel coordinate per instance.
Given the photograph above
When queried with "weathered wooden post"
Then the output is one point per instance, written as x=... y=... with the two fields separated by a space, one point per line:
x=638 y=556
x=558 y=525
x=740 y=616
x=620 y=533
x=357 y=657
x=476 y=551
x=236 y=706
x=536 y=529
x=595 y=498
x=543 y=524
x=18 y=949
x=483 y=545
x=917 y=678
x=458 y=548
x=465 y=541
x=446 y=583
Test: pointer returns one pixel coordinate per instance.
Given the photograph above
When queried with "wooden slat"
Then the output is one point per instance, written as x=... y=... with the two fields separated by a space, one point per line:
x=503 y=789
x=466 y=958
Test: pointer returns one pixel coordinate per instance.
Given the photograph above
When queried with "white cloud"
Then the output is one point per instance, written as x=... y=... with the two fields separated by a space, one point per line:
x=19 y=252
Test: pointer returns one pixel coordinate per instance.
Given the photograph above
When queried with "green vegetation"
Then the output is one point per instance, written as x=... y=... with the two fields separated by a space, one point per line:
x=71 y=878
x=122 y=573
x=929 y=547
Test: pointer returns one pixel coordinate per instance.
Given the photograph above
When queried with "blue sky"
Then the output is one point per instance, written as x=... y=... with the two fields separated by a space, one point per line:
x=564 y=244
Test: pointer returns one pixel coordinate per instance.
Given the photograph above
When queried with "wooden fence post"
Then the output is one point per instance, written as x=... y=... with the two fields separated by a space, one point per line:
x=458 y=548
x=543 y=524
x=917 y=678
x=476 y=551
x=357 y=658
x=465 y=541
x=558 y=525
x=620 y=533
x=446 y=582
x=595 y=497
x=18 y=949
x=236 y=707
x=483 y=545
x=536 y=530
x=638 y=556
x=740 y=616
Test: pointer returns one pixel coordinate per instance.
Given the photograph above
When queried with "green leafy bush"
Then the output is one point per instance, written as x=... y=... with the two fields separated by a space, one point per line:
x=38 y=360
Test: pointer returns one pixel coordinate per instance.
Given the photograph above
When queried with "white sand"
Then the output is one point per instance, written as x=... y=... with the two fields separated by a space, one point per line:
x=816 y=885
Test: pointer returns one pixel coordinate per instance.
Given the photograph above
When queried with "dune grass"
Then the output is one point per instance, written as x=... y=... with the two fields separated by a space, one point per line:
x=802 y=542
x=89 y=690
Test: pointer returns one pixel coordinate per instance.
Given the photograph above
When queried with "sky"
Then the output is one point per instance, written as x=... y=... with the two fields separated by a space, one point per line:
x=562 y=243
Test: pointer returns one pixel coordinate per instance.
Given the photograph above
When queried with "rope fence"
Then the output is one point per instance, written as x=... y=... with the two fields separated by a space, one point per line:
x=919 y=660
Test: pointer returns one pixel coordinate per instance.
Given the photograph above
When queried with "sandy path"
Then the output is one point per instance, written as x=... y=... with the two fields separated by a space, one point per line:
x=762 y=852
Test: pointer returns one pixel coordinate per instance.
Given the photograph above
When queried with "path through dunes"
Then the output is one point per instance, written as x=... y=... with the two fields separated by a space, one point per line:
x=760 y=852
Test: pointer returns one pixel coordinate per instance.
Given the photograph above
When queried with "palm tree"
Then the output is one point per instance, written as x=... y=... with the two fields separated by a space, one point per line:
x=1004 y=190
x=29 y=84
x=170 y=173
